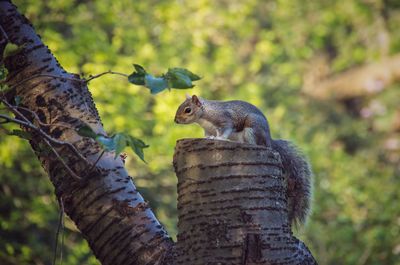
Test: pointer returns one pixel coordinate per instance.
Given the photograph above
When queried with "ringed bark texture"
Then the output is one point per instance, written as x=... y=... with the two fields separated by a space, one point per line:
x=232 y=206
x=105 y=205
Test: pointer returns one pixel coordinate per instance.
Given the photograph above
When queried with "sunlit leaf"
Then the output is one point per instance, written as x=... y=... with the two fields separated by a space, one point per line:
x=179 y=80
x=120 y=142
x=107 y=143
x=185 y=72
x=116 y=143
x=137 y=146
x=155 y=84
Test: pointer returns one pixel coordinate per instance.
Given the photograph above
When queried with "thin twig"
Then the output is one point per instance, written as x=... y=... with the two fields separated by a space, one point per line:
x=101 y=74
x=66 y=78
x=75 y=176
x=60 y=227
x=62 y=231
x=97 y=160
x=47 y=139
x=4 y=33
x=42 y=123
x=28 y=124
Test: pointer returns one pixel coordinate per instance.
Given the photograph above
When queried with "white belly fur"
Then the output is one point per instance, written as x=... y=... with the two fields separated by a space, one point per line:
x=209 y=128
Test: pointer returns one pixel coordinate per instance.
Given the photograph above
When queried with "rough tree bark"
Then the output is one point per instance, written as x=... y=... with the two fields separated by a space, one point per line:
x=232 y=206
x=104 y=204
x=244 y=182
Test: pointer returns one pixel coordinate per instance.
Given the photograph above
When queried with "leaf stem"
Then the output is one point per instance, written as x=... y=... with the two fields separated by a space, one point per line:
x=104 y=73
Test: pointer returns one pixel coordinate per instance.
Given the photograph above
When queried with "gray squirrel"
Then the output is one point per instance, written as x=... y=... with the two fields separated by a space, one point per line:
x=243 y=122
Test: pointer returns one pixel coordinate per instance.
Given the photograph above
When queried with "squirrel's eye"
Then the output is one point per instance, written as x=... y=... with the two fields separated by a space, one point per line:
x=188 y=110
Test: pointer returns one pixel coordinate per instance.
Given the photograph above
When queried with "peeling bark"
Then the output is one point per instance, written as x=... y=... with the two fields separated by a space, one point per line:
x=232 y=206
x=105 y=205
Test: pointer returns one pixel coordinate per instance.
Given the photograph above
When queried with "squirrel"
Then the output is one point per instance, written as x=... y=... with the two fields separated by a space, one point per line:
x=243 y=122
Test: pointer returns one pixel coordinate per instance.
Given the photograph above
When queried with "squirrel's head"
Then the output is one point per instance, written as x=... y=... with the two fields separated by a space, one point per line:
x=189 y=111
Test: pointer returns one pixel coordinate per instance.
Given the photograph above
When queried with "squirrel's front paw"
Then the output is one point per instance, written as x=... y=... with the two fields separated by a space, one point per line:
x=221 y=138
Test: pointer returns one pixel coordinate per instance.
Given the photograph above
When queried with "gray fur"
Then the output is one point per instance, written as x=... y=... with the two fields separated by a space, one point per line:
x=243 y=122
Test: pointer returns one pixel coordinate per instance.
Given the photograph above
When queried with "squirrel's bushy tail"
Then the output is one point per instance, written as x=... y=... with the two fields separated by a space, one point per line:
x=299 y=180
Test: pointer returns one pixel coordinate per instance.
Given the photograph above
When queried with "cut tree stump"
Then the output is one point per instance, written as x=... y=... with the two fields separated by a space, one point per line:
x=232 y=206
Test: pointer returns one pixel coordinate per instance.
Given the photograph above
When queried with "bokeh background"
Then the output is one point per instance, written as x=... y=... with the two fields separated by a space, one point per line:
x=302 y=62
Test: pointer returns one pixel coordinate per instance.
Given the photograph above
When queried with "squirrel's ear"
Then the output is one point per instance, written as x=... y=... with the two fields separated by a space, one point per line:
x=196 y=100
x=188 y=96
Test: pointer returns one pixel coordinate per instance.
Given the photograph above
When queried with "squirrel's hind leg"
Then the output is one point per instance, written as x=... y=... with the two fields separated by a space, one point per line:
x=226 y=133
x=256 y=131
x=248 y=136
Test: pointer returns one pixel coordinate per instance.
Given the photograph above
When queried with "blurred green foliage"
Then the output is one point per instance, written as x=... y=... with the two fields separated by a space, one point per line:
x=257 y=51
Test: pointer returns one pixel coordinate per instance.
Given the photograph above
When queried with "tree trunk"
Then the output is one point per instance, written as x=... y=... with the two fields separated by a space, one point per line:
x=232 y=206
x=104 y=204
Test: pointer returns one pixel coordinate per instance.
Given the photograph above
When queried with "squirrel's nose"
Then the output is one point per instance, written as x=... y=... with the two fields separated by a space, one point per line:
x=176 y=120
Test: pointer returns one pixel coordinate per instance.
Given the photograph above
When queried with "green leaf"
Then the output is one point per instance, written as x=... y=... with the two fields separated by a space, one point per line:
x=139 y=69
x=155 y=84
x=3 y=72
x=120 y=142
x=4 y=87
x=178 y=78
x=21 y=134
x=10 y=49
x=179 y=81
x=183 y=71
x=106 y=142
x=86 y=131
x=137 y=79
x=116 y=143
x=137 y=146
x=17 y=100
